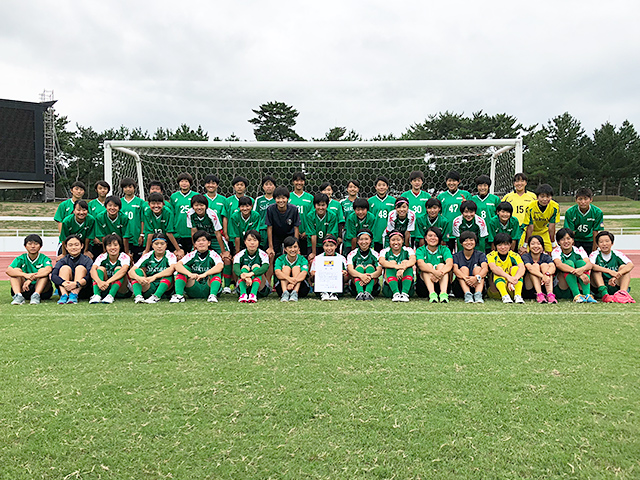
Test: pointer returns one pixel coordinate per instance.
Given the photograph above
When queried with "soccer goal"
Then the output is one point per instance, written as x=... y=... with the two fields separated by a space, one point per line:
x=335 y=162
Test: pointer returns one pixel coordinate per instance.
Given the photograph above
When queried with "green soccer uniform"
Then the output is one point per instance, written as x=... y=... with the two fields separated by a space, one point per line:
x=199 y=263
x=96 y=207
x=304 y=204
x=321 y=227
x=380 y=208
x=64 y=210
x=357 y=258
x=260 y=205
x=417 y=202
x=151 y=265
x=181 y=203
x=613 y=261
x=354 y=225
x=244 y=259
x=584 y=225
x=84 y=230
x=512 y=228
x=451 y=203
x=440 y=255
x=477 y=226
x=218 y=204
x=162 y=223
x=104 y=261
x=283 y=261
x=134 y=210
x=486 y=206
x=347 y=207
x=335 y=207
x=210 y=223
x=24 y=263
x=424 y=223
x=106 y=226
x=238 y=225
x=232 y=204
x=404 y=254
x=576 y=255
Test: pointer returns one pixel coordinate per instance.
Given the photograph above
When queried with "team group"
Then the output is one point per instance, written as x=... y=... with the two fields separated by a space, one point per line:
x=201 y=245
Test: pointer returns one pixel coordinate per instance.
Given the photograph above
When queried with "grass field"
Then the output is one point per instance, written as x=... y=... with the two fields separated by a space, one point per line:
x=319 y=390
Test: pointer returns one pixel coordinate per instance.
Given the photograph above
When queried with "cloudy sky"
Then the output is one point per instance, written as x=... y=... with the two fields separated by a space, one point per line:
x=372 y=66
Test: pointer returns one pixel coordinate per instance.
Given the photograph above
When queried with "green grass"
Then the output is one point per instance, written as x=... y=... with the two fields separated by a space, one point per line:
x=319 y=390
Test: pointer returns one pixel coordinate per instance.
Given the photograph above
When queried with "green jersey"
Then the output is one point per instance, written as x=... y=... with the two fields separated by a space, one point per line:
x=451 y=203
x=260 y=205
x=199 y=263
x=304 y=204
x=162 y=223
x=335 y=207
x=84 y=230
x=232 y=204
x=358 y=258
x=575 y=254
x=283 y=261
x=380 y=208
x=354 y=225
x=347 y=207
x=486 y=206
x=613 y=261
x=434 y=257
x=404 y=254
x=105 y=225
x=181 y=203
x=210 y=223
x=477 y=226
x=24 y=263
x=218 y=204
x=104 y=261
x=134 y=210
x=424 y=223
x=238 y=225
x=152 y=265
x=512 y=228
x=417 y=202
x=321 y=227
x=64 y=210
x=96 y=207
x=584 y=224
x=244 y=259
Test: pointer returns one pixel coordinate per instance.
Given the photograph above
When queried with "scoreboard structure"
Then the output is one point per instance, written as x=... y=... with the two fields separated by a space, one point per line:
x=22 y=145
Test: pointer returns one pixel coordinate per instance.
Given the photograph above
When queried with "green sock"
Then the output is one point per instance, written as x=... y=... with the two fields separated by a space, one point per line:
x=180 y=286
x=226 y=274
x=392 y=280
x=602 y=290
x=243 y=287
x=255 y=286
x=162 y=288
x=96 y=289
x=572 y=281
x=359 y=287
x=114 y=289
x=406 y=284
x=137 y=288
x=369 y=286
x=214 y=288
x=586 y=286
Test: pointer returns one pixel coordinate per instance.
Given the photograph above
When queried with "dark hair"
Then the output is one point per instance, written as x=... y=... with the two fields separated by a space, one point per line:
x=80 y=184
x=245 y=201
x=71 y=237
x=501 y=238
x=433 y=202
x=355 y=182
x=563 y=232
x=483 y=180
x=113 y=237
x=520 y=176
x=544 y=189
x=604 y=233
x=365 y=231
x=324 y=185
x=254 y=233
x=361 y=203
x=504 y=206
x=394 y=233
x=453 y=175
x=281 y=192
x=537 y=237
x=298 y=176
x=156 y=197
x=320 y=198
x=185 y=176
x=268 y=178
x=211 y=178
x=113 y=199
x=467 y=234
x=330 y=237
x=101 y=183
x=381 y=178
x=584 y=192
x=32 y=238
x=239 y=179
x=156 y=183
x=468 y=205
x=435 y=230
x=159 y=235
x=82 y=204
x=199 y=199
x=401 y=201
x=289 y=242
x=416 y=174
x=127 y=181
x=201 y=233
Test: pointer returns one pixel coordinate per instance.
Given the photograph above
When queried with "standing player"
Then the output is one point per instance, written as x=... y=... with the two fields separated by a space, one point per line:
x=433 y=218
x=333 y=205
x=486 y=202
x=111 y=221
x=353 y=188
x=282 y=220
x=402 y=220
x=520 y=199
x=380 y=205
x=585 y=220
x=96 y=205
x=133 y=207
x=152 y=275
x=469 y=221
x=416 y=196
x=260 y=206
x=158 y=218
x=65 y=209
x=504 y=222
x=303 y=201
x=181 y=203
x=29 y=274
x=245 y=219
x=218 y=204
x=451 y=200
x=541 y=217
x=361 y=218
x=81 y=224
x=398 y=261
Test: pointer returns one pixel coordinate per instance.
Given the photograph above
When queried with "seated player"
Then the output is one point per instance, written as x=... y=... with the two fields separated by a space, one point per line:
x=400 y=220
x=611 y=271
x=361 y=218
x=585 y=220
x=291 y=270
x=330 y=252
x=469 y=222
x=504 y=222
x=152 y=275
x=470 y=268
x=198 y=273
x=541 y=217
x=29 y=274
x=540 y=271
x=486 y=202
x=79 y=223
x=573 y=266
x=319 y=223
x=109 y=270
x=435 y=262
x=158 y=218
x=397 y=260
x=71 y=274
x=507 y=268
x=250 y=266
x=433 y=218
x=364 y=268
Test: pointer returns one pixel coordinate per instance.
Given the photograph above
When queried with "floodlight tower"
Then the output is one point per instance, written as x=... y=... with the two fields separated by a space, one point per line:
x=51 y=148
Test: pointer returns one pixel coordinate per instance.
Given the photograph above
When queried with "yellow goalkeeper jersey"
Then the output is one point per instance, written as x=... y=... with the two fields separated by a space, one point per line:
x=520 y=203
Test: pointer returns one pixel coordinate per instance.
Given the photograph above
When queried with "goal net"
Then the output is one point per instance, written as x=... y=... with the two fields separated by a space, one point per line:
x=334 y=162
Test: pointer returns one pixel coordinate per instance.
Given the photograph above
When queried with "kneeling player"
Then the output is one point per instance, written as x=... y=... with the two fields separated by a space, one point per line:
x=198 y=273
x=291 y=270
x=363 y=267
x=435 y=262
x=573 y=267
x=109 y=269
x=250 y=266
x=611 y=271
x=152 y=276
x=397 y=261
x=470 y=268
x=507 y=268
x=29 y=273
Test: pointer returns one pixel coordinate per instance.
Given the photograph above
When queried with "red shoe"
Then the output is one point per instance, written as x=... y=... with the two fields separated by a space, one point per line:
x=608 y=298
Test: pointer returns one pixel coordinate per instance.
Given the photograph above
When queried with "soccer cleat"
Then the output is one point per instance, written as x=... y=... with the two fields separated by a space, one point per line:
x=333 y=297
x=243 y=298
x=153 y=299
x=507 y=299
x=226 y=290
x=63 y=299
x=579 y=299
x=293 y=296
x=212 y=298
x=252 y=298
x=108 y=299
x=541 y=298
x=589 y=299
x=285 y=296
x=405 y=297
x=95 y=299
x=18 y=299
x=35 y=299
x=396 y=297
x=368 y=296
x=324 y=296
x=73 y=299
x=433 y=297
x=175 y=298
x=551 y=298
x=359 y=296
x=444 y=297
x=477 y=297
x=518 y=298
x=468 y=297
x=607 y=298
x=139 y=299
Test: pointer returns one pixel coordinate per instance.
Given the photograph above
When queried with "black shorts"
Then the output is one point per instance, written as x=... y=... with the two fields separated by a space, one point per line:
x=185 y=244
x=45 y=295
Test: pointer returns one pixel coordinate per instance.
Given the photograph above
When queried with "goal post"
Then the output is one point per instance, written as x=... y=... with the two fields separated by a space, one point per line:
x=334 y=162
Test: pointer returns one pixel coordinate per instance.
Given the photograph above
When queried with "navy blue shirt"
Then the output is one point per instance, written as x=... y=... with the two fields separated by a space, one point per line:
x=477 y=259
x=282 y=223
x=73 y=263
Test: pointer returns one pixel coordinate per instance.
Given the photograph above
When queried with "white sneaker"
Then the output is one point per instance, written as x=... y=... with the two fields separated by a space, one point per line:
x=95 y=299
x=477 y=297
x=468 y=297
x=397 y=297
x=324 y=296
x=243 y=298
x=212 y=299
x=252 y=298
x=507 y=299
x=175 y=298
x=518 y=299
x=18 y=299
x=154 y=299
x=285 y=296
x=333 y=296
x=35 y=299
x=405 y=297
x=226 y=290
x=108 y=299
x=293 y=296
x=139 y=299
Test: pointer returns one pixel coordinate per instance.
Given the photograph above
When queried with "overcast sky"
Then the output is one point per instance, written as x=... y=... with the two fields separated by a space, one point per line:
x=373 y=66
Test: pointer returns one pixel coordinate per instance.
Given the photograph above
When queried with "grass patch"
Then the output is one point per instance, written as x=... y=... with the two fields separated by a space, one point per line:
x=609 y=208
x=319 y=390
